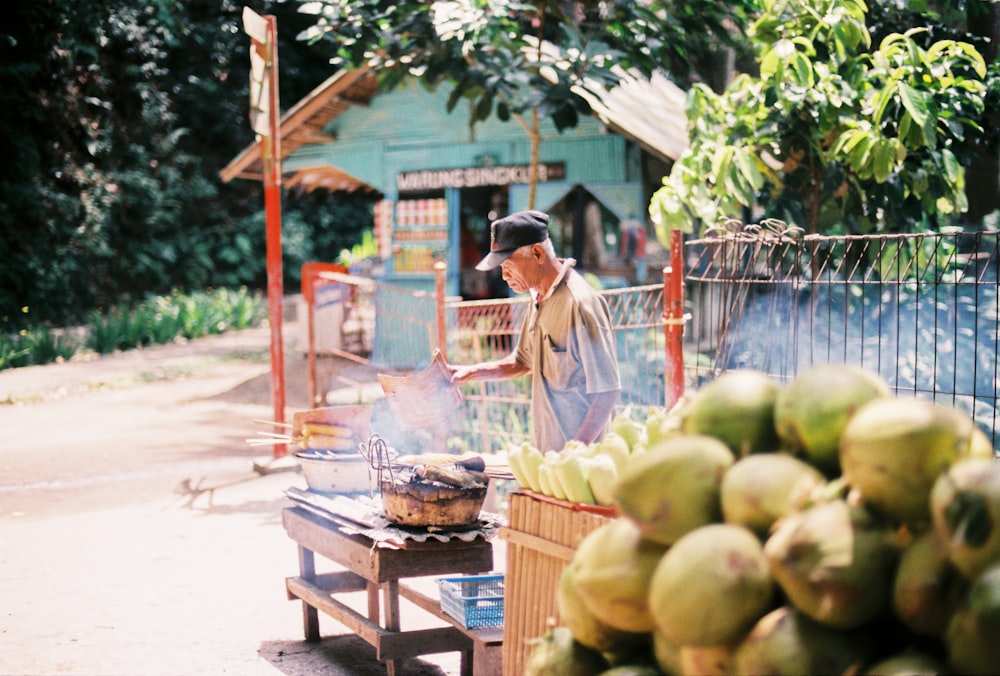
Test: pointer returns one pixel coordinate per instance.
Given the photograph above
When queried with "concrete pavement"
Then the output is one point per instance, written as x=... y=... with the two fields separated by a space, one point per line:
x=136 y=536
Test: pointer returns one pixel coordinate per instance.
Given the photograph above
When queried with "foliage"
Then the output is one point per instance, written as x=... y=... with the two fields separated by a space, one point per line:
x=163 y=319
x=120 y=115
x=154 y=321
x=41 y=345
x=833 y=135
x=521 y=61
x=365 y=249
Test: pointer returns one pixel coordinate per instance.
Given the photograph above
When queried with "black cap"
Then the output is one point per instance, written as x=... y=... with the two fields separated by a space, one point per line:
x=511 y=233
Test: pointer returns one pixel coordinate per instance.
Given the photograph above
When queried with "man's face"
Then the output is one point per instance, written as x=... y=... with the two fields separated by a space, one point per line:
x=521 y=270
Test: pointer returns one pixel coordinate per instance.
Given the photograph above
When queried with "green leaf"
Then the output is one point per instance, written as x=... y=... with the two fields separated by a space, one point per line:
x=952 y=168
x=883 y=160
x=917 y=103
x=745 y=162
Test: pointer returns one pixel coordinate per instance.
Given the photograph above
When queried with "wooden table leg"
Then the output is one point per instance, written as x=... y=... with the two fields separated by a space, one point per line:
x=310 y=616
x=390 y=591
x=371 y=589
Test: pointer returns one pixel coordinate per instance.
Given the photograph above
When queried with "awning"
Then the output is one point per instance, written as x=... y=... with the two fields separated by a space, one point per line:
x=624 y=200
x=303 y=124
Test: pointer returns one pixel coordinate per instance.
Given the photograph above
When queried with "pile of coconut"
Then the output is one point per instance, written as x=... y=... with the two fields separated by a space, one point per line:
x=819 y=526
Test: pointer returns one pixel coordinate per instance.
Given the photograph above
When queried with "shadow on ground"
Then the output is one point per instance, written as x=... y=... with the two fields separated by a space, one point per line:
x=345 y=654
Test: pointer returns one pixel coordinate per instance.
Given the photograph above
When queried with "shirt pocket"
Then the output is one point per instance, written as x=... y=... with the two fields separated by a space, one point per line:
x=558 y=365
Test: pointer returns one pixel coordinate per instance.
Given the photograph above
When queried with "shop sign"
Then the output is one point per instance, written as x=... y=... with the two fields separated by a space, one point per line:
x=471 y=177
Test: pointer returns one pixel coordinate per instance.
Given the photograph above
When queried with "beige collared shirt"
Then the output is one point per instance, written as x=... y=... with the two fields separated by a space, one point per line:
x=569 y=345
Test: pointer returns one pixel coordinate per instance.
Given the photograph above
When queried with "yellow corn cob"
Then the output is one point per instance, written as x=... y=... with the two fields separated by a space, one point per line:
x=572 y=479
x=602 y=475
x=322 y=441
x=326 y=429
x=531 y=460
x=558 y=490
x=514 y=459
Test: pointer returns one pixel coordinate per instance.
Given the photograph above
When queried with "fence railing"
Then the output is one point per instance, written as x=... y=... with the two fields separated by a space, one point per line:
x=404 y=326
x=921 y=310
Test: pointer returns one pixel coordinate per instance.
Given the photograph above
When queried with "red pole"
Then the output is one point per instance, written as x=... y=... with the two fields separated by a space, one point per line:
x=442 y=328
x=673 y=316
x=272 y=215
x=309 y=296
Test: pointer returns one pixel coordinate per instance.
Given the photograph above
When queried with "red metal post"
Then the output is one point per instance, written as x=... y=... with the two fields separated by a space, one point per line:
x=673 y=317
x=439 y=299
x=311 y=271
x=272 y=214
x=309 y=297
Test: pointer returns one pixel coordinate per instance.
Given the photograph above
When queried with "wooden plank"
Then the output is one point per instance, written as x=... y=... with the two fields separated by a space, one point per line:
x=315 y=597
x=443 y=559
x=350 y=551
x=389 y=645
x=538 y=544
x=382 y=564
x=488 y=636
x=399 y=645
x=339 y=581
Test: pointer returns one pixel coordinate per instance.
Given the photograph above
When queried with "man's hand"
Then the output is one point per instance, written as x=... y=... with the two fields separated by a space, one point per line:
x=462 y=374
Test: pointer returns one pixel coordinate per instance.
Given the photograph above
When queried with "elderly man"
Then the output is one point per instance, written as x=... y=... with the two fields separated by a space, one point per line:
x=566 y=342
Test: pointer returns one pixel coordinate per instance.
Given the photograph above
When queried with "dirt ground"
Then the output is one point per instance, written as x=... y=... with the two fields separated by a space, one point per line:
x=140 y=533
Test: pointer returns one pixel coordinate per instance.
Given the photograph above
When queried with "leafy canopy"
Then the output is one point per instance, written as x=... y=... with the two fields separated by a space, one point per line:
x=491 y=49
x=832 y=135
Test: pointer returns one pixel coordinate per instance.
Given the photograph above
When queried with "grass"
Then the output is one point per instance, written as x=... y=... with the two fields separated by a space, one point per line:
x=153 y=321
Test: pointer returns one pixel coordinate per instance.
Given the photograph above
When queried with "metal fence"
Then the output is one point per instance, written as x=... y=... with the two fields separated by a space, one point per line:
x=397 y=329
x=922 y=310
x=496 y=412
x=919 y=309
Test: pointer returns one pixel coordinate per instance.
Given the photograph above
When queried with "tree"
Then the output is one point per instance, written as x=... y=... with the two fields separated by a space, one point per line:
x=832 y=136
x=118 y=116
x=524 y=61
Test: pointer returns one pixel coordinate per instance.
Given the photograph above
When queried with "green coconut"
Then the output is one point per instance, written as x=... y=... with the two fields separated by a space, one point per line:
x=611 y=570
x=787 y=642
x=674 y=486
x=710 y=587
x=667 y=654
x=908 y=664
x=835 y=562
x=557 y=653
x=632 y=670
x=738 y=409
x=926 y=588
x=965 y=509
x=811 y=412
x=587 y=629
x=973 y=637
x=760 y=489
x=894 y=449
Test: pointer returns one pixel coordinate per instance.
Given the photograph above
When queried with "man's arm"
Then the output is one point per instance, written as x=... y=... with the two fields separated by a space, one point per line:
x=597 y=416
x=499 y=369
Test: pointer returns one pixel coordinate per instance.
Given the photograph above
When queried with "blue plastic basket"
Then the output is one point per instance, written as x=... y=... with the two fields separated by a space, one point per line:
x=474 y=600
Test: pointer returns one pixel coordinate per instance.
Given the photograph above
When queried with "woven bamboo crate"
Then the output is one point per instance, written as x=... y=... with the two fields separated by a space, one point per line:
x=542 y=535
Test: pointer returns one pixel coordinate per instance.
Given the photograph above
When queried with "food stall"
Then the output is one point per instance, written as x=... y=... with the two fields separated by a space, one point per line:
x=387 y=516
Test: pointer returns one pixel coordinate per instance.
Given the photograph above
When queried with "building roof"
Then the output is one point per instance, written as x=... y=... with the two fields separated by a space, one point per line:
x=303 y=124
x=647 y=112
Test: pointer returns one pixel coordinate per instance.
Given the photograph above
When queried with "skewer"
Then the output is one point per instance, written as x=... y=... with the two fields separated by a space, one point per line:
x=264 y=442
x=276 y=424
x=286 y=437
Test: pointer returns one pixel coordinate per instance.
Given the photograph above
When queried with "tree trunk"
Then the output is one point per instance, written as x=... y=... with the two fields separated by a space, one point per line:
x=983 y=177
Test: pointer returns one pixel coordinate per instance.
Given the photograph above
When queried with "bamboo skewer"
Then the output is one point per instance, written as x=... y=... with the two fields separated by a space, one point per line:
x=271 y=422
x=265 y=442
x=286 y=437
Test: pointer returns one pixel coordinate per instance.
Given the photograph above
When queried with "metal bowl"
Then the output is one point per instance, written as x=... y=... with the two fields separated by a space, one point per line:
x=328 y=472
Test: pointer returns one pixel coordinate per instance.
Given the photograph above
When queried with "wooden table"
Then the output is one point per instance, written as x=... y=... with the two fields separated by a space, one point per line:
x=375 y=568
